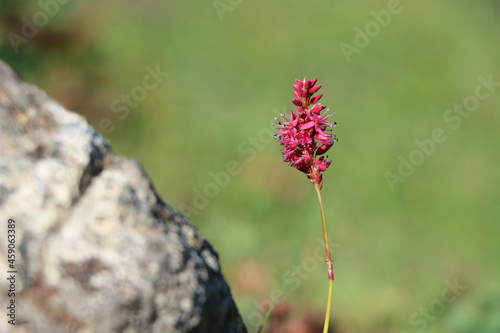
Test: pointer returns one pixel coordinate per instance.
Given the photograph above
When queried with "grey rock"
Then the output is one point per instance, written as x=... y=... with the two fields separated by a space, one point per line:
x=96 y=249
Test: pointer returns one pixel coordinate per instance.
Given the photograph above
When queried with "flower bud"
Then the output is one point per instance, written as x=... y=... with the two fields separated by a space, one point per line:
x=315 y=99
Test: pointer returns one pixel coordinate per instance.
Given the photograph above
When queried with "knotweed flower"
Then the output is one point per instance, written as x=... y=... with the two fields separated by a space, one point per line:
x=305 y=133
x=306 y=137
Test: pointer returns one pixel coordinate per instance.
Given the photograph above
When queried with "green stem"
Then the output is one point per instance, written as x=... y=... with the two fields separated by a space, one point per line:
x=280 y=292
x=328 y=259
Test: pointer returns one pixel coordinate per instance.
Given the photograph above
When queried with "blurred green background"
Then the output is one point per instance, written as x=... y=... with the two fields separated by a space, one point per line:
x=231 y=66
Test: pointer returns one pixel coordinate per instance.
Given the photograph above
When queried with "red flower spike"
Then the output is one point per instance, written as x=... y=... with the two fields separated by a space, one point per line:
x=305 y=134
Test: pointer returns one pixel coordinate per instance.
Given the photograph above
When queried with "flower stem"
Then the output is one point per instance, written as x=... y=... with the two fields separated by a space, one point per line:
x=328 y=259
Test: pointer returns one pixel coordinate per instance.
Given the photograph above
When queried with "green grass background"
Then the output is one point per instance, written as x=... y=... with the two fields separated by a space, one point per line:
x=229 y=77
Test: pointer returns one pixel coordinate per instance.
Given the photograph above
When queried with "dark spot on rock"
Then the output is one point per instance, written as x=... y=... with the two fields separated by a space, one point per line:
x=82 y=272
x=37 y=153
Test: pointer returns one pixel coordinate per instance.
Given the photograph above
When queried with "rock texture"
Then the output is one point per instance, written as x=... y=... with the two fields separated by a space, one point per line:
x=96 y=248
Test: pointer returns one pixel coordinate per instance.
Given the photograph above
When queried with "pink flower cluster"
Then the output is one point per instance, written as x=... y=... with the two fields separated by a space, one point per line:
x=304 y=134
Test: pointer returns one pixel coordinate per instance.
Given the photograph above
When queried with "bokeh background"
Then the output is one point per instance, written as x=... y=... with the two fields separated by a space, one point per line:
x=231 y=64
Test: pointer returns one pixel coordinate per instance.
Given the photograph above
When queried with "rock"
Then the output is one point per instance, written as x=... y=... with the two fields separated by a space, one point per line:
x=96 y=249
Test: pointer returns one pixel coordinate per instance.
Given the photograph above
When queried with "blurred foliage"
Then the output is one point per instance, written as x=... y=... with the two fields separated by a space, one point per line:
x=230 y=73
